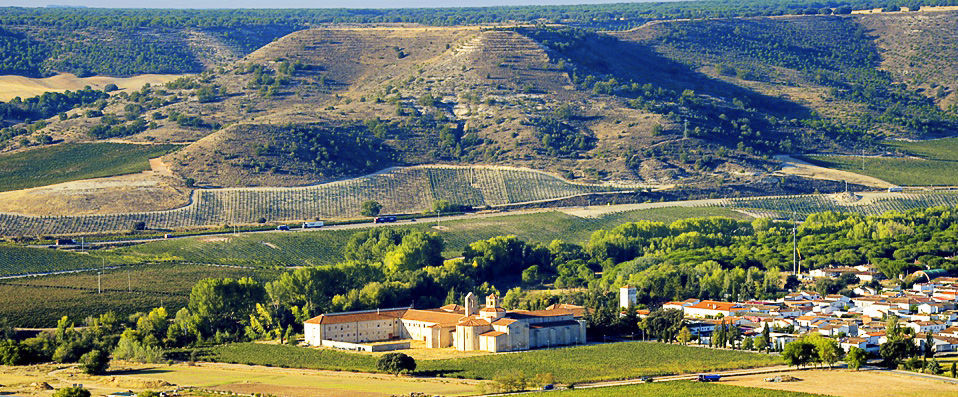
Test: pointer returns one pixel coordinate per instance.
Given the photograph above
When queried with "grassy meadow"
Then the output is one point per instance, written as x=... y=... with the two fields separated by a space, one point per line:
x=73 y=161
x=606 y=361
x=936 y=163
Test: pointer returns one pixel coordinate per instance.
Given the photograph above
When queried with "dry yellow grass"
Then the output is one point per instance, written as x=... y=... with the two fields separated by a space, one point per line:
x=118 y=194
x=793 y=166
x=227 y=377
x=849 y=383
x=18 y=86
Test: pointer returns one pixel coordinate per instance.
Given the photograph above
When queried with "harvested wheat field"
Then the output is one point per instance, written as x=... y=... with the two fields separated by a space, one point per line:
x=849 y=383
x=111 y=195
x=244 y=379
x=25 y=87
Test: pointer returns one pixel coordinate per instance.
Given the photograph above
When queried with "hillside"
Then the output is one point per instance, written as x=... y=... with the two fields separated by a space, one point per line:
x=919 y=50
x=400 y=190
x=702 y=103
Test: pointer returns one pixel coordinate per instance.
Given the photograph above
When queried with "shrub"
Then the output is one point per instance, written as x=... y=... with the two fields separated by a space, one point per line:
x=395 y=363
x=73 y=391
x=370 y=208
x=95 y=362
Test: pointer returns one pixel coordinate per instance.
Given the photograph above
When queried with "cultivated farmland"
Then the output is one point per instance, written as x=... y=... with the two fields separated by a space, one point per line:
x=325 y=246
x=870 y=204
x=606 y=361
x=931 y=163
x=73 y=161
x=400 y=190
x=41 y=301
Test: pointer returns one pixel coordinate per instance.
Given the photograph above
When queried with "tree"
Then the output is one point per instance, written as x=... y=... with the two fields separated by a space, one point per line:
x=440 y=206
x=10 y=352
x=95 y=362
x=685 y=336
x=6 y=329
x=370 y=208
x=766 y=337
x=72 y=391
x=828 y=351
x=799 y=353
x=894 y=351
x=396 y=363
x=954 y=370
x=933 y=367
x=760 y=343
x=224 y=304
x=748 y=344
x=735 y=333
x=531 y=276
x=665 y=324
x=856 y=357
x=416 y=251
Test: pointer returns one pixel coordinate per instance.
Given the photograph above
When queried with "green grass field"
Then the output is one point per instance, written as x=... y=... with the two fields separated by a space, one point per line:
x=937 y=165
x=325 y=246
x=606 y=361
x=674 y=389
x=287 y=356
x=73 y=161
x=41 y=301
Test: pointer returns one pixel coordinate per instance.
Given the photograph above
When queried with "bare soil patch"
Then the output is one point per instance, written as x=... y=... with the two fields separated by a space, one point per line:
x=849 y=383
x=793 y=166
x=118 y=194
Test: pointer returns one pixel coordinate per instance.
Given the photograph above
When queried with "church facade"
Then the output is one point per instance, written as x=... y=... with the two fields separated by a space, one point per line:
x=467 y=328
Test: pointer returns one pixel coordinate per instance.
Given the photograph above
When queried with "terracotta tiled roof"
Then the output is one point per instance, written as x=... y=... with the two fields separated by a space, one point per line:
x=431 y=316
x=492 y=310
x=504 y=321
x=352 y=317
x=492 y=333
x=578 y=311
x=452 y=308
x=473 y=322
x=714 y=305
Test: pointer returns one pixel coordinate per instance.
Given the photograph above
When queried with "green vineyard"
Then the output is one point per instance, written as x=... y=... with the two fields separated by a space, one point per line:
x=400 y=190
x=874 y=204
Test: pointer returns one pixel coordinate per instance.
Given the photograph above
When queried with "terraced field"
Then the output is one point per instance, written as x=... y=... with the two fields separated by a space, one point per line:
x=400 y=190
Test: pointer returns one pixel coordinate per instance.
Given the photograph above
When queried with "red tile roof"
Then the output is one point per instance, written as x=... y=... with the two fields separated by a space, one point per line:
x=352 y=317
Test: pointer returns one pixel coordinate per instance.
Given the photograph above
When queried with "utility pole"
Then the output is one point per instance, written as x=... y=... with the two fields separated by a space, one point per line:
x=99 y=285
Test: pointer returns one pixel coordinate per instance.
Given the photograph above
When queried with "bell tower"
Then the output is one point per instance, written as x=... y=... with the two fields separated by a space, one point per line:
x=472 y=304
x=492 y=301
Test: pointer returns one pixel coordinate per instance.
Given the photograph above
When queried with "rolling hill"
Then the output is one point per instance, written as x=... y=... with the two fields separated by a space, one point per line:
x=701 y=103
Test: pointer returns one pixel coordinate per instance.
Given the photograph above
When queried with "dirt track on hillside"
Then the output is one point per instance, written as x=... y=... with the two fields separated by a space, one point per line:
x=793 y=166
